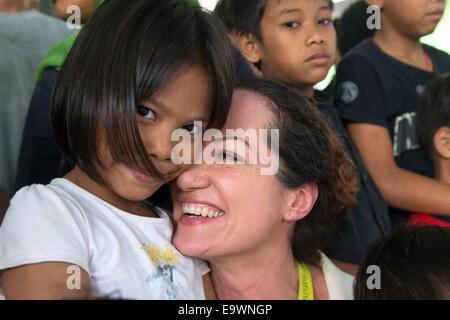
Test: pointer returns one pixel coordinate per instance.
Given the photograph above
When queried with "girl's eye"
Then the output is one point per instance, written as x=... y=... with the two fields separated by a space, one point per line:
x=145 y=112
x=292 y=24
x=325 y=21
x=192 y=128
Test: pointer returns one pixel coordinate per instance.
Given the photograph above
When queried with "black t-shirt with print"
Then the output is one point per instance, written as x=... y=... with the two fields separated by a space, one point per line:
x=369 y=219
x=375 y=88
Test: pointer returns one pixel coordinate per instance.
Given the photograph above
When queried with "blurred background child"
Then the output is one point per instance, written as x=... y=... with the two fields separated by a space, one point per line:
x=433 y=132
x=378 y=87
x=25 y=36
x=410 y=264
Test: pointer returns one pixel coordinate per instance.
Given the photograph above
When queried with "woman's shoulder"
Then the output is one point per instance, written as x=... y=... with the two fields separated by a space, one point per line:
x=339 y=283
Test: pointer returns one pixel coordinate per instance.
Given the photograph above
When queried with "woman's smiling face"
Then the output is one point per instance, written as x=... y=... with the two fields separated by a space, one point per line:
x=243 y=208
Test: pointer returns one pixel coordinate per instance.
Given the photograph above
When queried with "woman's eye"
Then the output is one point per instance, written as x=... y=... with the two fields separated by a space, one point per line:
x=145 y=112
x=228 y=157
x=292 y=24
x=192 y=128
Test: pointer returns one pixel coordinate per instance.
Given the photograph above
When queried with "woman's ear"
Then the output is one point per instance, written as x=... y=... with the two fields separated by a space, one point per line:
x=249 y=47
x=300 y=201
x=441 y=142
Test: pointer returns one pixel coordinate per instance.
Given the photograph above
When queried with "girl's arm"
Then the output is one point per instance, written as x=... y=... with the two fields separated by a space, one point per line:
x=43 y=281
x=400 y=188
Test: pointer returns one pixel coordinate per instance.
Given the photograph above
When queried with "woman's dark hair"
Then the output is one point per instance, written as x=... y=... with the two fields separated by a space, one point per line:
x=413 y=264
x=309 y=152
x=123 y=55
x=433 y=111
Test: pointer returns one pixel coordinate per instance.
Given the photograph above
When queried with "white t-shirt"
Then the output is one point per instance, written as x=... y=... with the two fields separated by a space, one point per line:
x=126 y=256
x=339 y=283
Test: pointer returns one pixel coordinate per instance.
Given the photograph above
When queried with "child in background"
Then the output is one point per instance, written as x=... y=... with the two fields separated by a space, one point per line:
x=351 y=29
x=410 y=264
x=294 y=42
x=243 y=69
x=39 y=158
x=433 y=132
x=25 y=36
x=378 y=86
x=118 y=98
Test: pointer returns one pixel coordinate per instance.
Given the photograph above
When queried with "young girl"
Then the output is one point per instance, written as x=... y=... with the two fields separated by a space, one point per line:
x=139 y=70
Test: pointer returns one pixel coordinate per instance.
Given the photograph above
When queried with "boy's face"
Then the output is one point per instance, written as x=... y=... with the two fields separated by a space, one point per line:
x=415 y=18
x=299 y=41
x=87 y=7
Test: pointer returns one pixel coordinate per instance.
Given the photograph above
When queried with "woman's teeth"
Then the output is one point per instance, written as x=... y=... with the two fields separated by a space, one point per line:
x=193 y=212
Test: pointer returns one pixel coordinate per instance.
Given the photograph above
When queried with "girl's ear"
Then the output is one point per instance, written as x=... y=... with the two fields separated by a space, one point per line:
x=300 y=201
x=378 y=3
x=249 y=46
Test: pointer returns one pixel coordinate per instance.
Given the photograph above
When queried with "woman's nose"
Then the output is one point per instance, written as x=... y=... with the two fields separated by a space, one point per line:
x=193 y=178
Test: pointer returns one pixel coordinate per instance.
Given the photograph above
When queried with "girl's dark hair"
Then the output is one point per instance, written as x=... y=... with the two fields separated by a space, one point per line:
x=413 y=262
x=309 y=152
x=247 y=16
x=123 y=55
x=433 y=111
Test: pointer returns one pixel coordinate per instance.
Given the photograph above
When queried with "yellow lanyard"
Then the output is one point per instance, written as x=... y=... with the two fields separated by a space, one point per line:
x=305 y=286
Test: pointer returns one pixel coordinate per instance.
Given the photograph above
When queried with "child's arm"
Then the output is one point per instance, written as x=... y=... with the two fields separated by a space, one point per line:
x=400 y=188
x=46 y=281
x=4 y=203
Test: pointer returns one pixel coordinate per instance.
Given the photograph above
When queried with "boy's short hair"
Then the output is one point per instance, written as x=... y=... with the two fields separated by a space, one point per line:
x=223 y=10
x=124 y=54
x=413 y=264
x=433 y=111
x=351 y=28
x=248 y=14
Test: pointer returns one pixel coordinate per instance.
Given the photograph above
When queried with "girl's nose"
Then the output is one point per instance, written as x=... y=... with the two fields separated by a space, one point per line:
x=158 y=145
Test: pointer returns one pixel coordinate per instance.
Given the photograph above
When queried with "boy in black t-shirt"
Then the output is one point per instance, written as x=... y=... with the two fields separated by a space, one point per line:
x=294 y=42
x=378 y=85
x=433 y=132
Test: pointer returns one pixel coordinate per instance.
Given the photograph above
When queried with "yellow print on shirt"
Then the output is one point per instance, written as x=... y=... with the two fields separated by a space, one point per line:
x=167 y=257
x=164 y=262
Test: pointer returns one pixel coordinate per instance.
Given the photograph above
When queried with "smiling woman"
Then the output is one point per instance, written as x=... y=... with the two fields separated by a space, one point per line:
x=266 y=248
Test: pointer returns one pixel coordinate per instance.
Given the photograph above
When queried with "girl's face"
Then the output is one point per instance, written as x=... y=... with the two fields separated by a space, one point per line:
x=250 y=204
x=183 y=100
